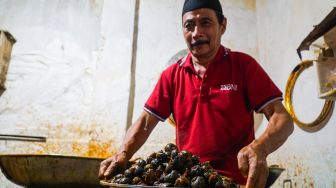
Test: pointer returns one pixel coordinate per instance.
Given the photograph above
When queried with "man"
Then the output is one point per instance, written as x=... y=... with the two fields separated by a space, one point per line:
x=212 y=94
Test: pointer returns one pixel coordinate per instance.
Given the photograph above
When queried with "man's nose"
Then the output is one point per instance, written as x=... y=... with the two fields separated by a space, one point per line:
x=198 y=32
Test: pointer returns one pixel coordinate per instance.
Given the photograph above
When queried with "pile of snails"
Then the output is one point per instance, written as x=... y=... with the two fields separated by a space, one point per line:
x=171 y=168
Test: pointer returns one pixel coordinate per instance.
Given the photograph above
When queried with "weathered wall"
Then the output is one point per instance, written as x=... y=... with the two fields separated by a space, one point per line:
x=70 y=74
x=69 y=71
x=281 y=26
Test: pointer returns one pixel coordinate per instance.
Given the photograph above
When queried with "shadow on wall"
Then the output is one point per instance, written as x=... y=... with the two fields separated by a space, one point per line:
x=177 y=56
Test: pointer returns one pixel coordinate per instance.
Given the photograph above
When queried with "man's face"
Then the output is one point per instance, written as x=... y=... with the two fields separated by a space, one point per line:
x=202 y=32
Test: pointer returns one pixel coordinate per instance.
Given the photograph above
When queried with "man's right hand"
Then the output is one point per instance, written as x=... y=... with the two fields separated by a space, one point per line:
x=135 y=137
x=113 y=165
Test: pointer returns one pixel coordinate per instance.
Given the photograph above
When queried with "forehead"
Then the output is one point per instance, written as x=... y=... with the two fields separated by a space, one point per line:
x=199 y=14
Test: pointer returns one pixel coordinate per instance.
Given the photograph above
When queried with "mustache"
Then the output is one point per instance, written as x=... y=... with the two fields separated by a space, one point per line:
x=199 y=42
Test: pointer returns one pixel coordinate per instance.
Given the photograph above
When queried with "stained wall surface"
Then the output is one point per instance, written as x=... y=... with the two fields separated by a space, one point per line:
x=281 y=27
x=69 y=76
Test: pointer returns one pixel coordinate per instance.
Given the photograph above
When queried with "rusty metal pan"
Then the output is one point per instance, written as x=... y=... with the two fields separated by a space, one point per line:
x=50 y=171
x=274 y=172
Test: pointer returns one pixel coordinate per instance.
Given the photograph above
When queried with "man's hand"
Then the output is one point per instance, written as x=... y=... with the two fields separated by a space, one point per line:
x=252 y=158
x=135 y=137
x=113 y=165
x=252 y=164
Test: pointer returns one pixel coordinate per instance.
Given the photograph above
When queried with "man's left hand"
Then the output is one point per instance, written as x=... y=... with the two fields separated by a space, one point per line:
x=252 y=164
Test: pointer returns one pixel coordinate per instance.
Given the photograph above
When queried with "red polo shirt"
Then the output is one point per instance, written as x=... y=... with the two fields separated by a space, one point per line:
x=214 y=115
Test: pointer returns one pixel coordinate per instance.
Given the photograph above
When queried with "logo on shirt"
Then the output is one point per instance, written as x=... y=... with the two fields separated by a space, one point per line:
x=229 y=87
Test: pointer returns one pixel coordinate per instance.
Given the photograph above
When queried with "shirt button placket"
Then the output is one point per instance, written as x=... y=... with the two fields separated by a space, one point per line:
x=203 y=88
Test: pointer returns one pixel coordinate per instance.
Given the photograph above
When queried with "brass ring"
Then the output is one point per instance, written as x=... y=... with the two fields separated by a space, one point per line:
x=171 y=121
x=324 y=116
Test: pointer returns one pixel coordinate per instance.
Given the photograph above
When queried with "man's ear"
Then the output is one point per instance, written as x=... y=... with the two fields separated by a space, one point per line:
x=223 y=28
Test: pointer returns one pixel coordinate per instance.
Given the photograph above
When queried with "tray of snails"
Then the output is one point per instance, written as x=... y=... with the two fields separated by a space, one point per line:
x=169 y=168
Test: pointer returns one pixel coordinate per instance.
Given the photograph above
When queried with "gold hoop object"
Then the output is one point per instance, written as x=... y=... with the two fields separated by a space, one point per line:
x=325 y=114
x=171 y=121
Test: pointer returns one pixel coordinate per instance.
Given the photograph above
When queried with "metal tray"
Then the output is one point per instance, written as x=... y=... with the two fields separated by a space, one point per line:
x=104 y=183
x=274 y=173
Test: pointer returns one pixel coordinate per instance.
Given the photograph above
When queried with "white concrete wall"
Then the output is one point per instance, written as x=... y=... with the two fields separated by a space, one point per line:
x=282 y=26
x=69 y=77
x=69 y=68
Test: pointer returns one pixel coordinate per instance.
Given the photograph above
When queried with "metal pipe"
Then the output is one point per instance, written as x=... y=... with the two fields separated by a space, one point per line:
x=131 y=97
x=23 y=138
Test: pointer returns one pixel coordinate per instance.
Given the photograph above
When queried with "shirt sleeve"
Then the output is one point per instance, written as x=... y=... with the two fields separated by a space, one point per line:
x=160 y=100
x=261 y=90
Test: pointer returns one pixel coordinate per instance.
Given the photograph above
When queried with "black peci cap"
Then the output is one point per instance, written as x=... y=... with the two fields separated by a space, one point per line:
x=190 y=5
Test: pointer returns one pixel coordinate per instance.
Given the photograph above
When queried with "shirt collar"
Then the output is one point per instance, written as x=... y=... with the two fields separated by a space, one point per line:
x=186 y=61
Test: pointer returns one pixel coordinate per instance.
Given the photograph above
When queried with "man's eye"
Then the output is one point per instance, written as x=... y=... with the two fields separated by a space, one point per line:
x=189 y=26
x=206 y=23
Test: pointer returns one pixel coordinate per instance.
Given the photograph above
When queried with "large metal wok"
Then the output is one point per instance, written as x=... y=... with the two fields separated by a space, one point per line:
x=51 y=171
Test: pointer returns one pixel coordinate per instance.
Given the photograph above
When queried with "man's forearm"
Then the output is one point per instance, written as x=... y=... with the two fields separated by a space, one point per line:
x=280 y=126
x=137 y=134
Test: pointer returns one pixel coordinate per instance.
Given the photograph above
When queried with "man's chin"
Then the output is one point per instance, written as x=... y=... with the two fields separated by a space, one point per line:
x=199 y=53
